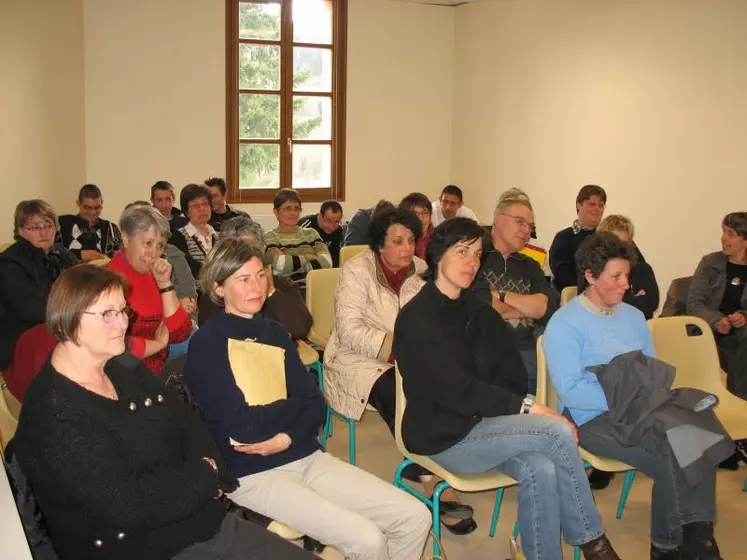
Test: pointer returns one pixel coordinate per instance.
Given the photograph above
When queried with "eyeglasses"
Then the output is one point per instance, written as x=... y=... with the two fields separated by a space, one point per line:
x=521 y=222
x=111 y=315
x=39 y=229
x=421 y=213
x=198 y=205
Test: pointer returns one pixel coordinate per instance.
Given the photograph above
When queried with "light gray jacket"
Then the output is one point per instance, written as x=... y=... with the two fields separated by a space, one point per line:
x=707 y=289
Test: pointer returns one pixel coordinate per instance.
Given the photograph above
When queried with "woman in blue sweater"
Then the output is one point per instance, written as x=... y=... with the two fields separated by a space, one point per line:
x=593 y=329
x=264 y=411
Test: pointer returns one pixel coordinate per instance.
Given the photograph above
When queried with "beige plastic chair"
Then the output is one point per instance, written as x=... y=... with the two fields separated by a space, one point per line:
x=490 y=480
x=696 y=360
x=8 y=421
x=568 y=293
x=546 y=395
x=284 y=531
x=308 y=355
x=349 y=251
x=4 y=246
x=100 y=262
x=321 y=286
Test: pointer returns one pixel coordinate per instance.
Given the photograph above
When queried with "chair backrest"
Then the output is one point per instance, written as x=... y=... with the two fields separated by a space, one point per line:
x=568 y=293
x=399 y=411
x=321 y=286
x=545 y=391
x=676 y=302
x=687 y=343
x=8 y=423
x=349 y=251
x=100 y=262
x=4 y=246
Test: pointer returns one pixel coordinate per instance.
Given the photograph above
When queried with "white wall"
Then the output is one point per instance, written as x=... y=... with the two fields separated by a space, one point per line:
x=155 y=97
x=42 y=150
x=645 y=98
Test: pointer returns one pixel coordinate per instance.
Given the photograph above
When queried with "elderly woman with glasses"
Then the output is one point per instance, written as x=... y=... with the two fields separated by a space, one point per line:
x=159 y=318
x=28 y=268
x=284 y=302
x=120 y=467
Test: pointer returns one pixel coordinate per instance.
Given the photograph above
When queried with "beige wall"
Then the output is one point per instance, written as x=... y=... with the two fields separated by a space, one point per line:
x=645 y=98
x=42 y=151
x=155 y=97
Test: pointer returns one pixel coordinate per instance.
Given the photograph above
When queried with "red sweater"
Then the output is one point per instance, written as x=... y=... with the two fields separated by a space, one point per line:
x=145 y=299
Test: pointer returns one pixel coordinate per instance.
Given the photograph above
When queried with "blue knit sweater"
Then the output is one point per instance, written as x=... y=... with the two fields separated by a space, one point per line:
x=577 y=338
x=209 y=377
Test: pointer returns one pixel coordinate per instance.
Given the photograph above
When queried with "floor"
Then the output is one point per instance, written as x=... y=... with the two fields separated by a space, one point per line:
x=376 y=453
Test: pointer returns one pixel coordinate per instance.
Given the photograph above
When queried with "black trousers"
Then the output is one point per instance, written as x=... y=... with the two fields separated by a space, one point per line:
x=383 y=398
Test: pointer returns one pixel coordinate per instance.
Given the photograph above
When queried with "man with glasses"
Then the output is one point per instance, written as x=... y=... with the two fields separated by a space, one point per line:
x=86 y=234
x=327 y=224
x=513 y=282
x=450 y=205
x=590 y=203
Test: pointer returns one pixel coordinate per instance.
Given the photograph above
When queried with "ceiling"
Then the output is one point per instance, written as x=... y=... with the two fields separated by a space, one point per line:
x=440 y=2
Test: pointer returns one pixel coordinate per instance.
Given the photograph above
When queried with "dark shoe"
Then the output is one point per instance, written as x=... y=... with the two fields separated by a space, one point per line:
x=698 y=542
x=730 y=463
x=463 y=527
x=599 y=549
x=660 y=554
x=455 y=510
x=599 y=480
x=312 y=545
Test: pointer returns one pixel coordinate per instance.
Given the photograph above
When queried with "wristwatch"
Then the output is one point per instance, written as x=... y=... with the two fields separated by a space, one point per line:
x=526 y=404
x=502 y=297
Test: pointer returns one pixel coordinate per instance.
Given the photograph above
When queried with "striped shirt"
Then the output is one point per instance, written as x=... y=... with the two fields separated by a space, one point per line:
x=303 y=250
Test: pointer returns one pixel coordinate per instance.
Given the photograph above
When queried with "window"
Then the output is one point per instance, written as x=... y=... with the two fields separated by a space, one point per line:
x=286 y=98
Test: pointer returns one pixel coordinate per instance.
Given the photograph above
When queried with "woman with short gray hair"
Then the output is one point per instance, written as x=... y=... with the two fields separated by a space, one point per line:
x=284 y=302
x=159 y=318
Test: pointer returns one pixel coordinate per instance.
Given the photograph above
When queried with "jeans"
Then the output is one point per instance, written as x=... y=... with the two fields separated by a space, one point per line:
x=673 y=502
x=180 y=348
x=530 y=362
x=541 y=454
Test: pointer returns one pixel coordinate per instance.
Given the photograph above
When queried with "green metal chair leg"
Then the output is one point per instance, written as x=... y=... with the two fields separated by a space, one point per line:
x=627 y=485
x=496 y=511
x=351 y=441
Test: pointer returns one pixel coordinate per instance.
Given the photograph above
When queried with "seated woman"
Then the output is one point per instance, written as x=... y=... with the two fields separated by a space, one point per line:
x=120 y=467
x=28 y=268
x=197 y=237
x=467 y=402
x=644 y=291
x=717 y=292
x=421 y=206
x=592 y=329
x=159 y=318
x=284 y=302
x=358 y=361
x=271 y=444
x=293 y=251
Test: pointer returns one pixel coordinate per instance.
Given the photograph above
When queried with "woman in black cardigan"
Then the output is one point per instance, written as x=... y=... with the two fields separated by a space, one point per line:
x=465 y=384
x=119 y=466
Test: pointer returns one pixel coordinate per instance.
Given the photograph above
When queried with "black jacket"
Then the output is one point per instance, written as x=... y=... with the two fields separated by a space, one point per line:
x=77 y=235
x=333 y=240
x=26 y=276
x=113 y=482
x=642 y=404
x=642 y=278
x=459 y=362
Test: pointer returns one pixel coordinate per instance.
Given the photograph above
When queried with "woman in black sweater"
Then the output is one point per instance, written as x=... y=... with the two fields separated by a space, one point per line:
x=119 y=466
x=465 y=384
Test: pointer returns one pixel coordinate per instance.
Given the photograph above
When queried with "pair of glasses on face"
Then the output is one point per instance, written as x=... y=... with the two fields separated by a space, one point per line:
x=521 y=222
x=421 y=213
x=39 y=229
x=111 y=315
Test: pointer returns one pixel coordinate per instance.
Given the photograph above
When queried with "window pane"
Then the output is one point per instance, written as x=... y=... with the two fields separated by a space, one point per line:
x=259 y=67
x=312 y=118
x=312 y=21
x=259 y=21
x=312 y=166
x=259 y=116
x=312 y=69
x=259 y=165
